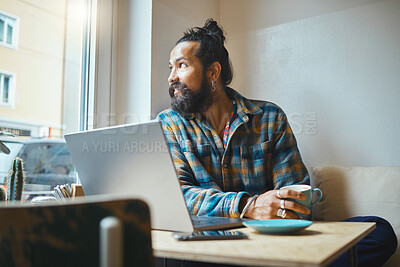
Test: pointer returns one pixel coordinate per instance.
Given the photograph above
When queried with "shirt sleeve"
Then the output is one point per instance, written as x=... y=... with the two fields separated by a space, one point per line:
x=288 y=166
x=200 y=201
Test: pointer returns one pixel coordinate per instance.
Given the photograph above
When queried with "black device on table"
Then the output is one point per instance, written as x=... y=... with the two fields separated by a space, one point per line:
x=209 y=235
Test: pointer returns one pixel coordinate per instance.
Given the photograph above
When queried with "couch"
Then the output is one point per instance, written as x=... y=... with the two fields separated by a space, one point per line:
x=358 y=191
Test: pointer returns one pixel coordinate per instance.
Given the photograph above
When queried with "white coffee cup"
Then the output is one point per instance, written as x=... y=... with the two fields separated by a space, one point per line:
x=306 y=190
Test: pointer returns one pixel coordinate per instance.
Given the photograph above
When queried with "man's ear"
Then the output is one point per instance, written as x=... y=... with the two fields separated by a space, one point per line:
x=214 y=71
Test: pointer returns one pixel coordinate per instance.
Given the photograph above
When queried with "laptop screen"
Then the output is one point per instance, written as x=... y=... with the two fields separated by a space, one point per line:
x=132 y=160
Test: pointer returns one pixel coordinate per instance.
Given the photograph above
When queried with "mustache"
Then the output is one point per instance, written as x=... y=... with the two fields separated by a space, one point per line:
x=176 y=85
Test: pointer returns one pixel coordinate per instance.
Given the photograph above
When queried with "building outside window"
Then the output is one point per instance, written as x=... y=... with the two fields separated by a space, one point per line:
x=8 y=30
x=7 y=85
x=40 y=87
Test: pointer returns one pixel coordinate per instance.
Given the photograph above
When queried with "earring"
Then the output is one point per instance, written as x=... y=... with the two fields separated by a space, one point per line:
x=213 y=86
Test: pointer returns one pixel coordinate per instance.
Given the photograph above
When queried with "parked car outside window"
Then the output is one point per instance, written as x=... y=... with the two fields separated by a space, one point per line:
x=47 y=163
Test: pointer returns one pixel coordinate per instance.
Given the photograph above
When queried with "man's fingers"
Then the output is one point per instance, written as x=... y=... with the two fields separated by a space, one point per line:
x=291 y=205
x=266 y=206
x=287 y=193
x=291 y=215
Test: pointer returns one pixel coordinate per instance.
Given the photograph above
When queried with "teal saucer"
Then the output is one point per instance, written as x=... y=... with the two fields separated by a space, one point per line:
x=277 y=226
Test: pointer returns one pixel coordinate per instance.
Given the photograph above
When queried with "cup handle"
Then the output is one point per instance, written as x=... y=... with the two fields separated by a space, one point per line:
x=320 y=195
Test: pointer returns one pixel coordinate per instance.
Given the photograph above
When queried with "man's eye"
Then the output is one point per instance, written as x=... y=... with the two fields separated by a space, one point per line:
x=182 y=65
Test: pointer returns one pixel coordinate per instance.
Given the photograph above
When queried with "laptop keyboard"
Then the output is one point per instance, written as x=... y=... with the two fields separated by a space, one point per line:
x=211 y=220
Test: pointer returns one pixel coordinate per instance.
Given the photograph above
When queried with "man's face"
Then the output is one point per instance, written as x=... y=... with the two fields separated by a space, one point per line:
x=190 y=90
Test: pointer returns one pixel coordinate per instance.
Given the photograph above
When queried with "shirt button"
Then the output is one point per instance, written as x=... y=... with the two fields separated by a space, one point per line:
x=246 y=118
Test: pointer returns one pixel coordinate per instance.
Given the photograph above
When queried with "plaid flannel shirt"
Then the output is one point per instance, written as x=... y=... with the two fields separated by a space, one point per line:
x=261 y=155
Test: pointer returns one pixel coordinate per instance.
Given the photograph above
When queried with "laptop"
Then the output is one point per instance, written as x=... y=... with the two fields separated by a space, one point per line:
x=134 y=160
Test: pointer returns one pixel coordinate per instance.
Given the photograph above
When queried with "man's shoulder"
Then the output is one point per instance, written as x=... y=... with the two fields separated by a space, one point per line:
x=166 y=113
x=169 y=116
x=266 y=105
x=258 y=106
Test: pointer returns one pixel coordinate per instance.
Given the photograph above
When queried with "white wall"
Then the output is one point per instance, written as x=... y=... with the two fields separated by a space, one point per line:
x=133 y=70
x=334 y=68
x=170 y=19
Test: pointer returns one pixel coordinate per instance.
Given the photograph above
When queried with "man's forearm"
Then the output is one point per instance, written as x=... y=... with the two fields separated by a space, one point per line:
x=211 y=202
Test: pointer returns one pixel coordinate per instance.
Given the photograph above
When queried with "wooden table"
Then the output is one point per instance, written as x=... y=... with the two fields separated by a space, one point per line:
x=318 y=245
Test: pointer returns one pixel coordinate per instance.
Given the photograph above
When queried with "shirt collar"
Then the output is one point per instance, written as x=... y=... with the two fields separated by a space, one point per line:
x=244 y=106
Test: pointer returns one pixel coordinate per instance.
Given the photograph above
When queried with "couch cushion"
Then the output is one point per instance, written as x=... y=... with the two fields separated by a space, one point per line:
x=359 y=191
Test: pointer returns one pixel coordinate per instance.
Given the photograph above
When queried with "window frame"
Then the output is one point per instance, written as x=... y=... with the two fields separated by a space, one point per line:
x=98 y=84
x=11 y=88
x=112 y=51
x=13 y=20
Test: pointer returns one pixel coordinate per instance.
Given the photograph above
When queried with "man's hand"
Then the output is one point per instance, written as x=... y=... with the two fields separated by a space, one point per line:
x=266 y=206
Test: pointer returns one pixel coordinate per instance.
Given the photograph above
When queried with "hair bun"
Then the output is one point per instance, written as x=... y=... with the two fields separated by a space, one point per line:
x=212 y=28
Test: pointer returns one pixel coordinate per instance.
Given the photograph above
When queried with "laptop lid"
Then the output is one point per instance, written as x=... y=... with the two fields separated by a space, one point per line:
x=134 y=160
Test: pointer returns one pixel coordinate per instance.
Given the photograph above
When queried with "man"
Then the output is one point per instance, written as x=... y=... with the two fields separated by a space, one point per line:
x=232 y=155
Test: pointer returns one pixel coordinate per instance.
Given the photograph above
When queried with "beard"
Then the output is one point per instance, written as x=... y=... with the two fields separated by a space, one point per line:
x=189 y=101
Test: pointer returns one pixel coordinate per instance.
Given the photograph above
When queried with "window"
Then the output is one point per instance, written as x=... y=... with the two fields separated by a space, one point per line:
x=8 y=30
x=7 y=82
x=46 y=102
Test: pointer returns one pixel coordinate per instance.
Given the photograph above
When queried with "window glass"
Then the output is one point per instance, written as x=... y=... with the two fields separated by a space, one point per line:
x=1 y=30
x=41 y=85
x=7 y=28
x=9 y=34
x=5 y=89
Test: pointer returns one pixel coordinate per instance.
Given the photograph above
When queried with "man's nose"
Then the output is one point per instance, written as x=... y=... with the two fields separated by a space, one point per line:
x=172 y=77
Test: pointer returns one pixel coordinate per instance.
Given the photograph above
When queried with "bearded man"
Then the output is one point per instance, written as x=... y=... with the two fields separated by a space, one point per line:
x=232 y=155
